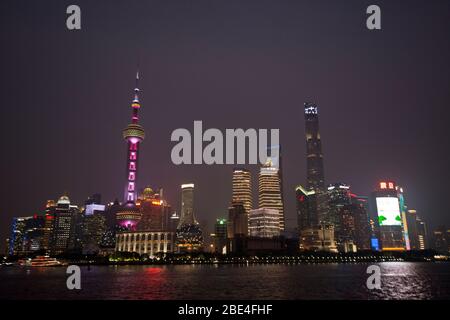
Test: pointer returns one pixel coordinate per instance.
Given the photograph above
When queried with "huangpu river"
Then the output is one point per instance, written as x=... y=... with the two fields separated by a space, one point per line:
x=399 y=280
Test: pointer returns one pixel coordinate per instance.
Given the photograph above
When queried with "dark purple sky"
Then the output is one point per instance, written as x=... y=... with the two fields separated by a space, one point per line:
x=383 y=96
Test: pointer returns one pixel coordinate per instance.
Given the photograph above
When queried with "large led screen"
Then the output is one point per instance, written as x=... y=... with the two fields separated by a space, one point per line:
x=388 y=211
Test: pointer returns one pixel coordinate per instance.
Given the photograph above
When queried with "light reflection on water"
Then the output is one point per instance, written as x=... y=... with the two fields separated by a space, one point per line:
x=400 y=280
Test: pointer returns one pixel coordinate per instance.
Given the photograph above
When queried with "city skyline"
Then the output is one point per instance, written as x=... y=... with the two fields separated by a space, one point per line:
x=396 y=144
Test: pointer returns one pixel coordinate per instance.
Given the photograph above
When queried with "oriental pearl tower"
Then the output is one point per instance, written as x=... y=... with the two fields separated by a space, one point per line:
x=129 y=215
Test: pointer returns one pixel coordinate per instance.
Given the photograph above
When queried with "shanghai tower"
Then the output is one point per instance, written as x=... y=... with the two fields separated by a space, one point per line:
x=314 y=156
x=129 y=215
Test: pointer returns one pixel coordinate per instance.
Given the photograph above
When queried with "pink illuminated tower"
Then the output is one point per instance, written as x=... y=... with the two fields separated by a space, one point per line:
x=130 y=215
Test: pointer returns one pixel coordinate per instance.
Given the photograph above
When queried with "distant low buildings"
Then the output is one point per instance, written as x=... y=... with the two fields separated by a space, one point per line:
x=441 y=240
x=318 y=238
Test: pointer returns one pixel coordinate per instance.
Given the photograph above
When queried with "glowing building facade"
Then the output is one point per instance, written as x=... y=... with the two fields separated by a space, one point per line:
x=264 y=223
x=242 y=188
x=269 y=191
x=189 y=235
x=387 y=207
x=134 y=134
x=314 y=156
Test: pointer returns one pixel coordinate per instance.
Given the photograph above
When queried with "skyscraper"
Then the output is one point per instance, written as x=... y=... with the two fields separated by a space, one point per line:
x=155 y=211
x=385 y=205
x=314 y=156
x=422 y=234
x=187 y=204
x=134 y=134
x=306 y=201
x=237 y=227
x=314 y=161
x=269 y=191
x=26 y=235
x=220 y=236
x=67 y=218
x=242 y=188
x=189 y=235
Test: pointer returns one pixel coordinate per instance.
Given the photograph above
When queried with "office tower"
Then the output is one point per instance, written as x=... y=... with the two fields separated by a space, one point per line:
x=237 y=227
x=134 y=134
x=187 y=204
x=403 y=215
x=220 y=236
x=422 y=234
x=441 y=240
x=155 y=211
x=242 y=188
x=385 y=205
x=264 y=223
x=189 y=234
x=314 y=161
x=94 y=224
x=338 y=195
x=314 y=157
x=111 y=211
x=93 y=230
x=48 y=225
x=410 y=225
x=27 y=235
x=276 y=158
x=362 y=233
x=306 y=201
x=65 y=227
x=17 y=234
x=269 y=191
x=173 y=222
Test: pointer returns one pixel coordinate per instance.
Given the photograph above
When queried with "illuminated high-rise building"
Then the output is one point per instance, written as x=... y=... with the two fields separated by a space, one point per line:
x=220 y=236
x=269 y=191
x=134 y=134
x=314 y=161
x=386 y=207
x=306 y=201
x=264 y=223
x=314 y=157
x=242 y=188
x=67 y=218
x=189 y=235
x=237 y=227
x=422 y=234
x=156 y=212
x=187 y=204
x=410 y=228
x=441 y=240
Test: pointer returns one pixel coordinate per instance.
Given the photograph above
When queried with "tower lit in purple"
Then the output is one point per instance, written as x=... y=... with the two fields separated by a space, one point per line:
x=130 y=215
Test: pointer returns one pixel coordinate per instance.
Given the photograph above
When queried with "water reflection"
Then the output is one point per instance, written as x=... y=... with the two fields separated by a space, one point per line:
x=400 y=280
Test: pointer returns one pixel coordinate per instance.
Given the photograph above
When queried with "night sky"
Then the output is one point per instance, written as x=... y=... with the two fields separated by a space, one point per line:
x=65 y=96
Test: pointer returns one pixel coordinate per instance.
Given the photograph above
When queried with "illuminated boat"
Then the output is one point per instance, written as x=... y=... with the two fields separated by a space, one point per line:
x=41 y=261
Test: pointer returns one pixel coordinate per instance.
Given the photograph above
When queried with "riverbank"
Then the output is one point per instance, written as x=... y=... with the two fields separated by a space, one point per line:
x=208 y=258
